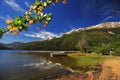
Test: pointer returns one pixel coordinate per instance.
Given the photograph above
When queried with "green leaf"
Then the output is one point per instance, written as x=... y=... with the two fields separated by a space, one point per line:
x=17 y=18
x=14 y=23
x=35 y=17
x=1 y=33
x=3 y=29
x=48 y=17
x=25 y=19
x=37 y=3
x=20 y=22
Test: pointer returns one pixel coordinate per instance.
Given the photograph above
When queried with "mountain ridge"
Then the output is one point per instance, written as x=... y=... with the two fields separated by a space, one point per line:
x=103 y=39
x=105 y=25
x=98 y=26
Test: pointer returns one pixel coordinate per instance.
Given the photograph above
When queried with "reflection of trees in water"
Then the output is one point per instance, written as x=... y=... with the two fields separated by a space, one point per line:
x=43 y=56
x=65 y=61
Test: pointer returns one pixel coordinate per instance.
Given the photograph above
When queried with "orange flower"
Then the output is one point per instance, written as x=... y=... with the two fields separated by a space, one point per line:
x=39 y=12
x=31 y=22
x=15 y=28
x=45 y=24
x=8 y=21
x=65 y=2
x=31 y=7
x=9 y=27
x=41 y=8
x=56 y=1
x=15 y=33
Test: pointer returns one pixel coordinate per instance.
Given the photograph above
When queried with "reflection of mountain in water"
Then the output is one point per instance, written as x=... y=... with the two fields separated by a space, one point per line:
x=64 y=61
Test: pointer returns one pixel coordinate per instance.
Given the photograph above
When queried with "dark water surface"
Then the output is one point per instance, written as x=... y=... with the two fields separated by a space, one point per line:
x=35 y=66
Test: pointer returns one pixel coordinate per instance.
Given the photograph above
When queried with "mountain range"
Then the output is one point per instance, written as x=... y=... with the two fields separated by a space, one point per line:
x=99 y=26
x=3 y=47
x=102 y=38
x=14 y=45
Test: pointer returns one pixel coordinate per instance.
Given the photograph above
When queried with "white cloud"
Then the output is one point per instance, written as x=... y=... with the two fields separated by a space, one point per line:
x=43 y=35
x=14 y=5
x=5 y=17
x=27 y=4
x=107 y=18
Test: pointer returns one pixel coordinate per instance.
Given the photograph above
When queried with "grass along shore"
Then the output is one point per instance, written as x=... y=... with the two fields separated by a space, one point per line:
x=87 y=62
x=107 y=68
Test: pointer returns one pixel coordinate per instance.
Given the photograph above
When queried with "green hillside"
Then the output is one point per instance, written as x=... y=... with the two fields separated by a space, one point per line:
x=104 y=40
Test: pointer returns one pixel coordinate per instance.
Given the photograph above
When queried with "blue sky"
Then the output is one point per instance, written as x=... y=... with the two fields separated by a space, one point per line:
x=75 y=14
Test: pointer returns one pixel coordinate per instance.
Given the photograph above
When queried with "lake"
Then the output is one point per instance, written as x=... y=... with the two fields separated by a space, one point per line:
x=15 y=65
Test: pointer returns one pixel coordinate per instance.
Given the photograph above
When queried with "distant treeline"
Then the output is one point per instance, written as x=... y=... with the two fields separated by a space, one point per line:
x=4 y=48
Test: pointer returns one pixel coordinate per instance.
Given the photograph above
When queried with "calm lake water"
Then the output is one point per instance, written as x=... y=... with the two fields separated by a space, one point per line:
x=15 y=65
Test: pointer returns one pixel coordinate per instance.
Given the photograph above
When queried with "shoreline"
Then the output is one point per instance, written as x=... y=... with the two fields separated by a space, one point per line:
x=27 y=51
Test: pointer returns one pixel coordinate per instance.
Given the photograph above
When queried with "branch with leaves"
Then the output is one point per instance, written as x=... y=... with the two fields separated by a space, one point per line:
x=33 y=15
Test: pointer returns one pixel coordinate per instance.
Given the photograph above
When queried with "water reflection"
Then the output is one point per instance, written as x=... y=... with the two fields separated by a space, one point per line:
x=35 y=66
x=64 y=61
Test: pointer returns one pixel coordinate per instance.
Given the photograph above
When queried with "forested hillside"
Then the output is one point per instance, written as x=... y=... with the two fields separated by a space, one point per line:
x=98 y=40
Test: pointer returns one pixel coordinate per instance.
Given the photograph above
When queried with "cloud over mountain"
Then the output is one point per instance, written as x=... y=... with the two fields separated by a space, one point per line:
x=43 y=35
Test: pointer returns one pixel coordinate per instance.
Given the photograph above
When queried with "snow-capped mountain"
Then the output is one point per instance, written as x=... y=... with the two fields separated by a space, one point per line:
x=105 y=25
x=99 y=26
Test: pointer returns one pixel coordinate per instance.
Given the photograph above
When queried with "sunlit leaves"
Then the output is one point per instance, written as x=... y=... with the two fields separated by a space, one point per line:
x=15 y=28
x=8 y=21
x=9 y=27
x=33 y=15
x=31 y=22
x=39 y=12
